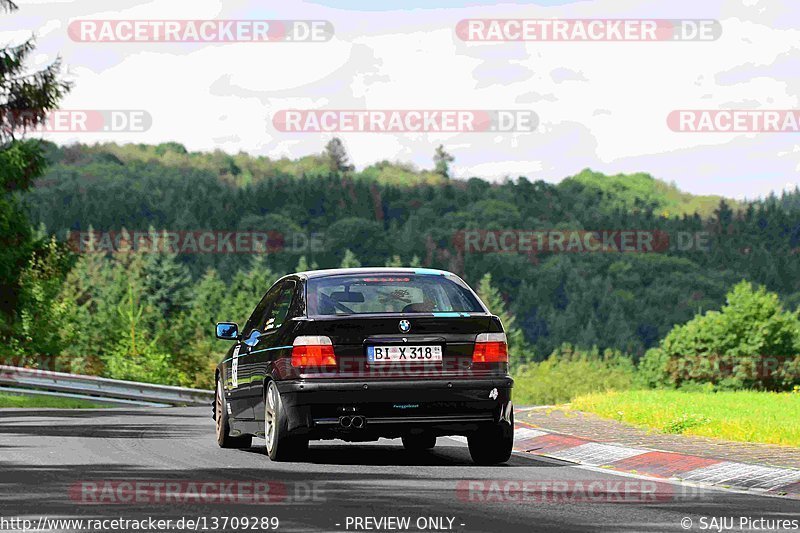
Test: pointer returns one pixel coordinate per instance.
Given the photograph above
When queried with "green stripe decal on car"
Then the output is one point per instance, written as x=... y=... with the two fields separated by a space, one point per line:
x=268 y=349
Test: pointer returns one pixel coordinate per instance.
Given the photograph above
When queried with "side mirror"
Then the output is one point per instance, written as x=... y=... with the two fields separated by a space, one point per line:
x=228 y=331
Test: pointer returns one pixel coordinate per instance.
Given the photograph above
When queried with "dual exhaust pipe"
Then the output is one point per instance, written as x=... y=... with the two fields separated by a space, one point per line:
x=355 y=422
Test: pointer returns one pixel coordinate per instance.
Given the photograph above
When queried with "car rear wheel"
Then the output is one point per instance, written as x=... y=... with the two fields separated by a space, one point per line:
x=420 y=442
x=492 y=445
x=223 y=427
x=280 y=445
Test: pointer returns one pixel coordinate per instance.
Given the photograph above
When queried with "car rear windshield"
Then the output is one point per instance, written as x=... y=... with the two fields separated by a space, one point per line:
x=389 y=293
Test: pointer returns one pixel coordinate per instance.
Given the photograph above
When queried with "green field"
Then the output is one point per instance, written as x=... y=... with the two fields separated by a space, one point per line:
x=45 y=402
x=745 y=416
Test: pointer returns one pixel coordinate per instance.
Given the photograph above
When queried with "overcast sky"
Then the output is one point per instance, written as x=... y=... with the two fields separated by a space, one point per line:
x=600 y=105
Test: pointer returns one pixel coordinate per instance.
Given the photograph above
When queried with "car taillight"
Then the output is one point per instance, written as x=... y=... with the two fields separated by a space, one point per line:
x=490 y=348
x=313 y=351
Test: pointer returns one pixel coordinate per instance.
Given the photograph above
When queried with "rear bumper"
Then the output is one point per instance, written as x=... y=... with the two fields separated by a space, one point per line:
x=395 y=408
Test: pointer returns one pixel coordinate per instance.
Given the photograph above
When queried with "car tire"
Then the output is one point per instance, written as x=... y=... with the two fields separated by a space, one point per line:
x=223 y=428
x=280 y=445
x=419 y=442
x=493 y=444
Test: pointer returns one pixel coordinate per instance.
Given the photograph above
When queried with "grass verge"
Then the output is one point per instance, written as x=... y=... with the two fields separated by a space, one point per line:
x=746 y=416
x=567 y=374
x=45 y=402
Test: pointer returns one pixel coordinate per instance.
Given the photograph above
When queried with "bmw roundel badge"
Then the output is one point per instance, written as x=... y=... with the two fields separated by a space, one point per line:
x=405 y=326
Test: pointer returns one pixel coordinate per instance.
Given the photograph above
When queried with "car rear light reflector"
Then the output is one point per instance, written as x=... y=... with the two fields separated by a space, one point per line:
x=313 y=351
x=490 y=348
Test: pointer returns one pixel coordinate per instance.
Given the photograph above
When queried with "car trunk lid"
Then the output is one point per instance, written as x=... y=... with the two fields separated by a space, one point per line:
x=360 y=341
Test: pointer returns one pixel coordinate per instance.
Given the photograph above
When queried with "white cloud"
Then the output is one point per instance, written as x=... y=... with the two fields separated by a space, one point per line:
x=223 y=95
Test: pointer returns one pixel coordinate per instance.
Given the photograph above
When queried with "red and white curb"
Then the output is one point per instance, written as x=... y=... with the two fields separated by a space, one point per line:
x=660 y=464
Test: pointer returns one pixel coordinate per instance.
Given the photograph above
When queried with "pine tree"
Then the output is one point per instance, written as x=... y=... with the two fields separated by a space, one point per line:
x=303 y=266
x=619 y=333
x=82 y=334
x=132 y=326
x=26 y=96
x=394 y=261
x=441 y=161
x=587 y=337
x=349 y=260
x=517 y=349
x=166 y=281
x=41 y=315
x=246 y=289
x=197 y=353
x=137 y=355
x=209 y=296
x=336 y=155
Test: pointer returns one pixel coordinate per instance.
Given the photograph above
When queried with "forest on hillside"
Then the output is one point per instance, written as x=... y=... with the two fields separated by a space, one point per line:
x=319 y=211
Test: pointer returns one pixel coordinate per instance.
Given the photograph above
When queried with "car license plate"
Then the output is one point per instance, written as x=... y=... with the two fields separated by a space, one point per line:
x=389 y=354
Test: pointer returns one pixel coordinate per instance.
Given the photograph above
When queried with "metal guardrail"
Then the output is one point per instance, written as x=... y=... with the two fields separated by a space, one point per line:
x=102 y=388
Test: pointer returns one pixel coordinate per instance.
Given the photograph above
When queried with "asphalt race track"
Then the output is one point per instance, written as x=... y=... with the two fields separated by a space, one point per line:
x=49 y=458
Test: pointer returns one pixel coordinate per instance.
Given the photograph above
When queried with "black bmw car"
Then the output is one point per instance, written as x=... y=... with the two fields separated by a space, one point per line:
x=364 y=353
